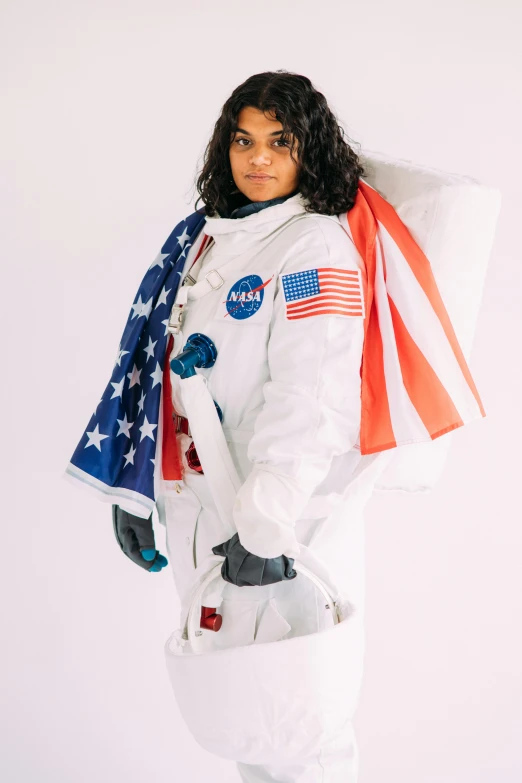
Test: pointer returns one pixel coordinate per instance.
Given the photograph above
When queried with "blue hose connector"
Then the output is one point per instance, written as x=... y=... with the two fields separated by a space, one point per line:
x=199 y=351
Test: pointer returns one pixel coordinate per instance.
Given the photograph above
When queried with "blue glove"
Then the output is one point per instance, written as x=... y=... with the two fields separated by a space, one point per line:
x=135 y=536
x=243 y=569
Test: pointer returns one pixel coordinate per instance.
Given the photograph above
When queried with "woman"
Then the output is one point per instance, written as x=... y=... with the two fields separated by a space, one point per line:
x=276 y=282
x=287 y=376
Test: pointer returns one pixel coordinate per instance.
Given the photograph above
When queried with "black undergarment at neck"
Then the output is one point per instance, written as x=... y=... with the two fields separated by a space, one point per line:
x=256 y=206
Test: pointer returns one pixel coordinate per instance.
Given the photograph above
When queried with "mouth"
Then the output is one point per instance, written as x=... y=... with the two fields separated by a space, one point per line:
x=258 y=177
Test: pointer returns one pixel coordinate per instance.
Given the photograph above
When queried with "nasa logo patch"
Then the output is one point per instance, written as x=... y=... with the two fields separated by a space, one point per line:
x=245 y=297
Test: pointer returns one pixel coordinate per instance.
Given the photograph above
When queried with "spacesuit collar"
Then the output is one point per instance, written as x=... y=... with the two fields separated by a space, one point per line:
x=257 y=222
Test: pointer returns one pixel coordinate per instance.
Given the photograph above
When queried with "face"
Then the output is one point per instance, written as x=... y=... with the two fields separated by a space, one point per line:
x=257 y=148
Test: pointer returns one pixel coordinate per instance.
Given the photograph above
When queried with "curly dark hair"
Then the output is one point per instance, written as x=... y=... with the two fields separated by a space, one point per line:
x=328 y=167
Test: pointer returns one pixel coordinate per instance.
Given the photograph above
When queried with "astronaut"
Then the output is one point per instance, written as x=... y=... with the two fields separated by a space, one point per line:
x=284 y=306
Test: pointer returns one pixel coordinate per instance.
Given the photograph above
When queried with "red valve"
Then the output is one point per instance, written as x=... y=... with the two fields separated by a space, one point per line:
x=209 y=619
x=192 y=459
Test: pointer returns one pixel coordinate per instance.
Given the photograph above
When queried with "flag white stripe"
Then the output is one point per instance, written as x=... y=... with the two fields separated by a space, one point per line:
x=131 y=501
x=351 y=278
x=425 y=329
x=352 y=290
x=322 y=302
x=406 y=423
x=326 y=305
x=323 y=311
x=346 y=273
x=351 y=301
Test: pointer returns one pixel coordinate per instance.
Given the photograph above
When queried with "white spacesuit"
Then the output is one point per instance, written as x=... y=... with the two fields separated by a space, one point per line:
x=287 y=380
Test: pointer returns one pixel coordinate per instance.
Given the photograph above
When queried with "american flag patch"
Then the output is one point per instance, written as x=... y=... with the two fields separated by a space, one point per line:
x=325 y=291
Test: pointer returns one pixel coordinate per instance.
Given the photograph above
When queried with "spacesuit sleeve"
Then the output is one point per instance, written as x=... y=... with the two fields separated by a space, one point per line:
x=312 y=406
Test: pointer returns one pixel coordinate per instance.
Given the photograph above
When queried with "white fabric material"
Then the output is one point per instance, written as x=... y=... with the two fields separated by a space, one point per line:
x=289 y=389
x=258 y=696
x=212 y=447
x=290 y=396
x=453 y=219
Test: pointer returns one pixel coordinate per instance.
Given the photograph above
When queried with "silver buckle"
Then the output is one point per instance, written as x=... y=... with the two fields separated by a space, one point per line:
x=176 y=319
x=217 y=278
x=178 y=422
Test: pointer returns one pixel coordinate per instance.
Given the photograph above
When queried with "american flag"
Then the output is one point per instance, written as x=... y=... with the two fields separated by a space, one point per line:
x=324 y=291
x=415 y=381
x=116 y=454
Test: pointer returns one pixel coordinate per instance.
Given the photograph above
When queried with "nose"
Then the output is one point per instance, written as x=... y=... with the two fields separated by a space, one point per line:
x=260 y=158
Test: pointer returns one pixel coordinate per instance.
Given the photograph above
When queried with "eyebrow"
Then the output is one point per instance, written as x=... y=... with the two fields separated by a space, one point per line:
x=242 y=130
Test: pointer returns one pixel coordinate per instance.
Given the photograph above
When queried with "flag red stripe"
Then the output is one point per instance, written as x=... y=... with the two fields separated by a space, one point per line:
x=171 y=463
x=376 y=427
x=340 y=272
x=420 y=267
x=338 y=279
x=329 y=280
x=338 y=290
x=435 y=408
x=326 y=311
x=346 y=294
x=333 y=281
x=324 y=299
x=321 y=306
x=170 y=456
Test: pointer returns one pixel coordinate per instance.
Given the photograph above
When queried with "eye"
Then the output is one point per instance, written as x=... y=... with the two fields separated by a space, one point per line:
x=284 y=142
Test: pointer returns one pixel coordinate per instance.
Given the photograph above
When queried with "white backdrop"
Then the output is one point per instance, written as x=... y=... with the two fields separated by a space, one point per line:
x=107 y=108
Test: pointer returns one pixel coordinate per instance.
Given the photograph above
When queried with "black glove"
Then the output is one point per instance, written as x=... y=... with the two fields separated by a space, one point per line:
x=135 y=536
x=242 y=568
